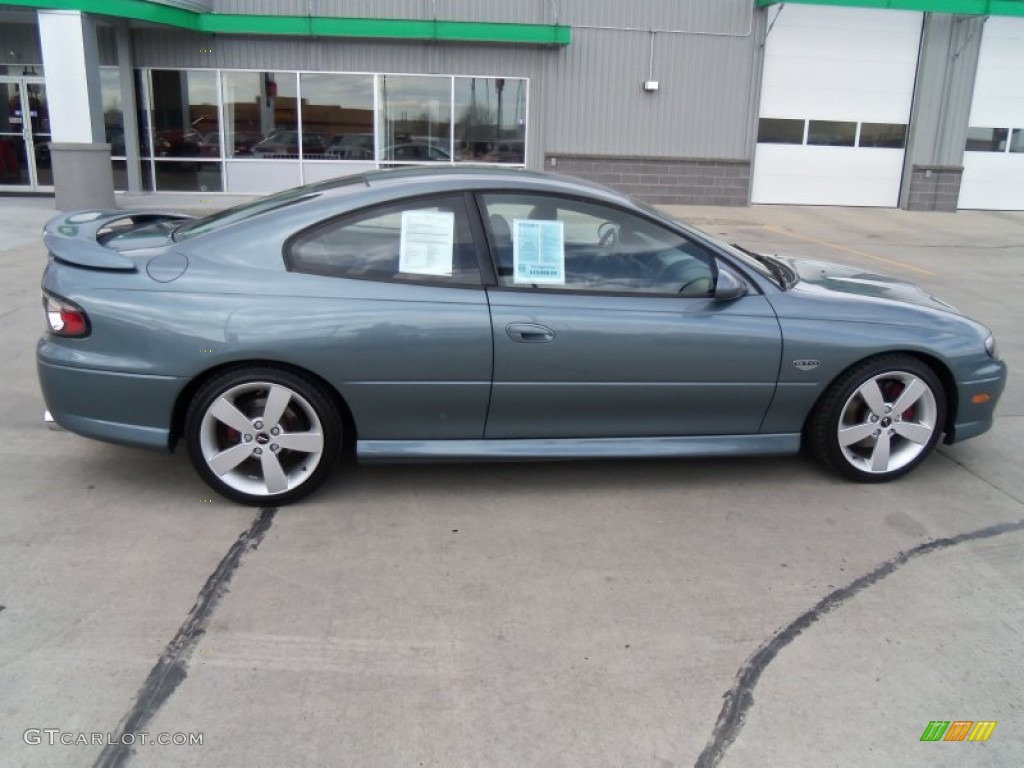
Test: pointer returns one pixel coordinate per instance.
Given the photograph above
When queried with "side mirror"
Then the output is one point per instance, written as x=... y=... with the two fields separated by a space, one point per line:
x=729 y=285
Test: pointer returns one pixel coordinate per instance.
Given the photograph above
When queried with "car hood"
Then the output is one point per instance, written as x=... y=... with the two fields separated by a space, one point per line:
x=852 y=281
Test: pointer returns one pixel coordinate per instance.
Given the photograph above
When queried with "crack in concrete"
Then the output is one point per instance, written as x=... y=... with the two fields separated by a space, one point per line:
x=740 y=697
x=172 y=666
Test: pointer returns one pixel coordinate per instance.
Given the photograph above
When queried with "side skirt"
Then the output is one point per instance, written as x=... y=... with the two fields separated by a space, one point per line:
x=576 y=448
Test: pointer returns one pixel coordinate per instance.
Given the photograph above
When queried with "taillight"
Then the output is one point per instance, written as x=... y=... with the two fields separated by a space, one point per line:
x=65 y=318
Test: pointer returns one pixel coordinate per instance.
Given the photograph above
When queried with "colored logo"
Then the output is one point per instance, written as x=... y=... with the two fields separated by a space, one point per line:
x=958 y=730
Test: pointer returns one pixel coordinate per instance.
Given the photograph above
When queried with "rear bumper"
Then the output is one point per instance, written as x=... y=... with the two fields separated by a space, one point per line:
x=129 y=409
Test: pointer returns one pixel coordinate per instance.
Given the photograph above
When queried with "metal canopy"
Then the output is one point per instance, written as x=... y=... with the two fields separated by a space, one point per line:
x=966 y=7
x=313 y=26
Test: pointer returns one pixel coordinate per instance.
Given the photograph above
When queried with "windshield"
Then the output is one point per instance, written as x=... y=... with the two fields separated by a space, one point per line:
x=245 y=211
x=777 y=271
x=746 y=258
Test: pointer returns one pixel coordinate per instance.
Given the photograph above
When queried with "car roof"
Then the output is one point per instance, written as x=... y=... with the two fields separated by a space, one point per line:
x=469 y=177
x=396 y=183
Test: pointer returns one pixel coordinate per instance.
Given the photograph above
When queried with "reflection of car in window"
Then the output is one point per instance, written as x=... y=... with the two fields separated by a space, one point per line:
x=491 y=151
x=416 y=151
x=350 y=153
x=351 y=146
x=175 y=142
x=243 y=142
x=285 y=143
x=359 y=146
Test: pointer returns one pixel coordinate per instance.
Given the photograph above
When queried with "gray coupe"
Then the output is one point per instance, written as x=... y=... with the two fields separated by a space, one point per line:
x=475 y=314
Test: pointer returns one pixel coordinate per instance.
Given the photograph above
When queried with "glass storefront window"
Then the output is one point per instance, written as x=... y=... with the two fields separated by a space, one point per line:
x=113 y=112
x=176 y=176
x=184 y=115
x=214 y=123
x=490 y=119
x=337 y=117
x=120 y=170
x=142 y=112
x=261 y=115
x=26 y=70
x=417 y=118
x=13 y=161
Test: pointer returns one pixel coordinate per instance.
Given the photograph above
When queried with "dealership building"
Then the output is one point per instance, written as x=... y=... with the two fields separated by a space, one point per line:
x=916 y=104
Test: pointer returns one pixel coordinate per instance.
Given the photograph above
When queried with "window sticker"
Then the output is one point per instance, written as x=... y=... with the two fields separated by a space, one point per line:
x=427 y=245
x=538 y=252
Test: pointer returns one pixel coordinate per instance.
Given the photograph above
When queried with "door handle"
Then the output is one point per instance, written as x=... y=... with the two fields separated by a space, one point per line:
x=529 y=333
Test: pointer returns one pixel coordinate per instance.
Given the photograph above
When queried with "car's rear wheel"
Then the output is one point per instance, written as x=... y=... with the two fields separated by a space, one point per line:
x=879 y=420
x=263 y=435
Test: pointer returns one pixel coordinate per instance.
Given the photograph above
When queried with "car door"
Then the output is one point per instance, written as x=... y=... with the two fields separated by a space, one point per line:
x=605 y=325
x=405 y=333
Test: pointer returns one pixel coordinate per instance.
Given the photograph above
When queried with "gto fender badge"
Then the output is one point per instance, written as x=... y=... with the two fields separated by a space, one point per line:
x=806 y=365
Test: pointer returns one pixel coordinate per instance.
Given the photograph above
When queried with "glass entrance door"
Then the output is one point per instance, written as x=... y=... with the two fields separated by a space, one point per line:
x=24 y=135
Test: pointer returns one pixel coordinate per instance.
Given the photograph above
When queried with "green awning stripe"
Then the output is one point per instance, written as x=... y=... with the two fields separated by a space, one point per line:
x=965 y=7
x=315 y=26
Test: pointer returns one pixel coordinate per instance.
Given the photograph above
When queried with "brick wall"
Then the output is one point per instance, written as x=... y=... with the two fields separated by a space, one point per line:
x=934 y=188
x=662 y=180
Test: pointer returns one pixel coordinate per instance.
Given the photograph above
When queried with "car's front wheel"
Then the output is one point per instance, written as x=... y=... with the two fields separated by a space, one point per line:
x=879 y=420
x=263 y=435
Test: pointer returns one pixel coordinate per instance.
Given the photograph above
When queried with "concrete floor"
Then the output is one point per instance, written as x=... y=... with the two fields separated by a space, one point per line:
x=663 y=613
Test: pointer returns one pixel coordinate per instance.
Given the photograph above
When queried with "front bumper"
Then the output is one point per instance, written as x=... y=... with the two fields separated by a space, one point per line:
x=974 y=418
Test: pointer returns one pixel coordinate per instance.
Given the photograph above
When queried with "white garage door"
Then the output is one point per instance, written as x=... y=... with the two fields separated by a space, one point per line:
x=835 y=102
x=994 y=157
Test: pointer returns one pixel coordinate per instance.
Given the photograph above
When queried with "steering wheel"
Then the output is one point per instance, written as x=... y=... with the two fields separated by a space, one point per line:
x=608 y=234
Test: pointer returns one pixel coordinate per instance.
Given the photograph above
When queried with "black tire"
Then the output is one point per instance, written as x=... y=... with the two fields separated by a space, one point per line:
x=260 y=466
x=890 y=443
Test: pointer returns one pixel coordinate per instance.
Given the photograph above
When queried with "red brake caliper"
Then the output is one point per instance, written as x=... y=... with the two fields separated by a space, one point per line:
x=892 y=390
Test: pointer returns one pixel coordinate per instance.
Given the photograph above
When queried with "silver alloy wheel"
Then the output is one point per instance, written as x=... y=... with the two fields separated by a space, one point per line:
x=261 y=438
x=887 y=422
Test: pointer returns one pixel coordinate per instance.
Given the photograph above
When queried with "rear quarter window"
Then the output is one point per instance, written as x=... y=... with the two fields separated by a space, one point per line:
x=425 y=240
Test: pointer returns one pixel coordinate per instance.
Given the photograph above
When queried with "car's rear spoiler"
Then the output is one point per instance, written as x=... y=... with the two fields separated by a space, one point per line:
x=72 y=237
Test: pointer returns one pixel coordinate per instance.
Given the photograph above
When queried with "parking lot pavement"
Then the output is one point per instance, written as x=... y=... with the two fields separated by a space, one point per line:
x=662 y=613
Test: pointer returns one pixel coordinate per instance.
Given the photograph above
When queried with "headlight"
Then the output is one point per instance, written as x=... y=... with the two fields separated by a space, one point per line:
x=990 y=347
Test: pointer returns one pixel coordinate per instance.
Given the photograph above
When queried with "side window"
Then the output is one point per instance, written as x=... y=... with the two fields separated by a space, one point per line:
x=555 y=243
x=424 y=240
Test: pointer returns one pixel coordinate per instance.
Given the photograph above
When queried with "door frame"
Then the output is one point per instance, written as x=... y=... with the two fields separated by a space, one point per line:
x=28 y=136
